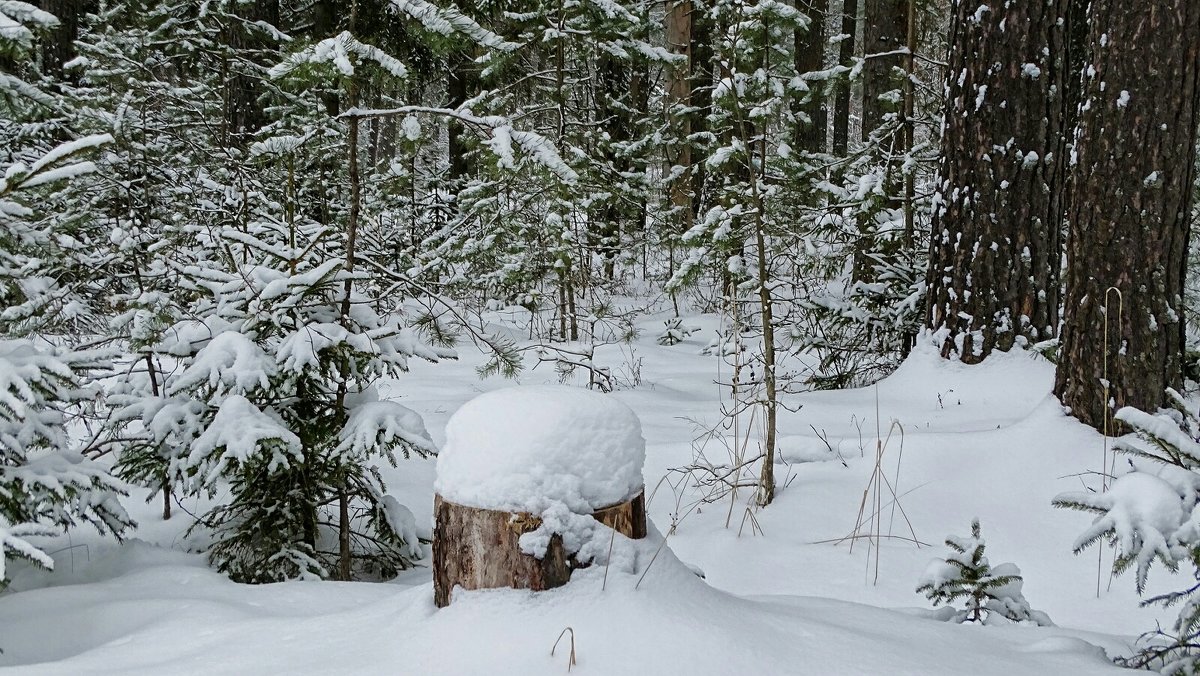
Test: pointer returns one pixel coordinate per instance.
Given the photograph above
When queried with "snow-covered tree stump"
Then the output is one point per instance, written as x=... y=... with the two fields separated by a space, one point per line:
x=526 y=476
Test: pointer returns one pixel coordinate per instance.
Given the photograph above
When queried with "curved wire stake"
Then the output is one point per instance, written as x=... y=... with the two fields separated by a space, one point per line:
x=1106 y=469
x=571 y=659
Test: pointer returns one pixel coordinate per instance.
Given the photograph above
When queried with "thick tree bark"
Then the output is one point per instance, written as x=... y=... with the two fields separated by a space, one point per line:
x=1132 y=178
x=995 y=252
x=841 y=112
x=480 y=548
x=885 y=31
x=810 y=57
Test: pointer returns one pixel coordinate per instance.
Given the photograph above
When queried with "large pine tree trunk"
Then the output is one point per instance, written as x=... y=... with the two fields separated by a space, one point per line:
x=613 y=82
x=244 y=113
x=1130 y=206
x=810 y=57
x=885 y=31
x=995 y=251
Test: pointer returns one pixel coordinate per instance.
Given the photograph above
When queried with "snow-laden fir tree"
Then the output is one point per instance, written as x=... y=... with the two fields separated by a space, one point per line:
x=167 y=81
x=46 y=485
x=288 y=354
x=1152 y=513
x=990 y=594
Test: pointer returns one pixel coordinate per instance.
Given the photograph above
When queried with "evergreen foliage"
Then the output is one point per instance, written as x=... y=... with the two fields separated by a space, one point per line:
x=990 y=594
x=1147 y=516
x=46 y=485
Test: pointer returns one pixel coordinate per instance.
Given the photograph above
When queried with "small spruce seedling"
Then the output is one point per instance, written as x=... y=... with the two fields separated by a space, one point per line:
x=990 y=592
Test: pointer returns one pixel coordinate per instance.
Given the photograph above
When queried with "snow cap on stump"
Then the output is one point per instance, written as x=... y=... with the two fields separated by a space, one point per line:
x=521 y=449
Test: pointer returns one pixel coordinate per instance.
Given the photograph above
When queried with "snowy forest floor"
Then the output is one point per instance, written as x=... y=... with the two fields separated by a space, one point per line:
x=986 y=441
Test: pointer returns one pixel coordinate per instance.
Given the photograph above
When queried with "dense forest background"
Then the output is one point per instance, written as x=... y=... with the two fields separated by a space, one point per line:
x=224 y=221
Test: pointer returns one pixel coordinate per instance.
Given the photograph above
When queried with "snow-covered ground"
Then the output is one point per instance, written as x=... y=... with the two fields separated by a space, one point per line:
x=986 y=441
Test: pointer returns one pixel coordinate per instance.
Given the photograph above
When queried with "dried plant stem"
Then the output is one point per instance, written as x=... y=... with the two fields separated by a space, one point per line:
x=571 y=659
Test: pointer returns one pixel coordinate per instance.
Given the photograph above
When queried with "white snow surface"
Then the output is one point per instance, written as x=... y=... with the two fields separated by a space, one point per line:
x=523 y=449
x=986 y=440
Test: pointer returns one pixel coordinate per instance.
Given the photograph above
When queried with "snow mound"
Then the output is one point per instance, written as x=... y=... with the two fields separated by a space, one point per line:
x=524 y=449
x=180 y=618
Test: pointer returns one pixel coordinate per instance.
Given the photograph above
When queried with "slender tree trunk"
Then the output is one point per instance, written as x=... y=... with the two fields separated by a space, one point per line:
x=352 y=222
x=910 y=129
x=841 y=113
x=995 y=252
x=809 y=57
x=766 y=481
x=1133 y=171
x=344 y=570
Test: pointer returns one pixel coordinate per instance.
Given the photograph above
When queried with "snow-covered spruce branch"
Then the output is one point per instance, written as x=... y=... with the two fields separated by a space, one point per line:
x=49 y=168
x=449 y=20
x=499 y=129
x=1151 y=515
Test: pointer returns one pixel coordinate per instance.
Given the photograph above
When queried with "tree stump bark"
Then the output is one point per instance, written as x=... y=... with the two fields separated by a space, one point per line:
x=479 y=548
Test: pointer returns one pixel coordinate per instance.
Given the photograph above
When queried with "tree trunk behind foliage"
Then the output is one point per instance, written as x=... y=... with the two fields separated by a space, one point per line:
x=244 y=113
x=885 y=30
x=326 y=20
x=995 y=252
x=809 y=57
x=461 y=84
x=1130 y=207
x=58 y=46
x=613 y=75
x=700 y=91
x=679 y=42
x=841 y=113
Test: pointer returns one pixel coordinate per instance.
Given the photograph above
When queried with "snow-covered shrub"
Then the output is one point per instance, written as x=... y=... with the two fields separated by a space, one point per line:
x=991 y=594
x=293 y=425
x=45 y=485
x=1153 y=514
x=675 y=331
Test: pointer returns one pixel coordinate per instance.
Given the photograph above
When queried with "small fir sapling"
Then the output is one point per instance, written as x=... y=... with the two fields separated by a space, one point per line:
x=675 y=331
x=1150 y=514
x=992 y=593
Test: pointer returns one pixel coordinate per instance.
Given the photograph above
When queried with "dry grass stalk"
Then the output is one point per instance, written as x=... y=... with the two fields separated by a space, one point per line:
x=571 y=659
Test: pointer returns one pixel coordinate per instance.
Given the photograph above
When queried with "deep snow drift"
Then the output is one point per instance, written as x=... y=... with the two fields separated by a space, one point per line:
x=984 y=441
